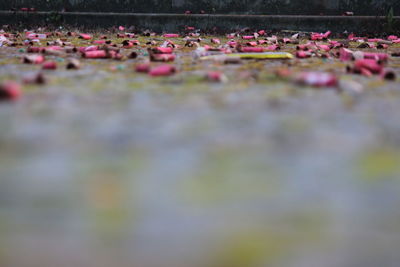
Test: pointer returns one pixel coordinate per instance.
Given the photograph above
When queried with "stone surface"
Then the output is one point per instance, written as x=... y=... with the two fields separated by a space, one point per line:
x=221 y=23
x=360 y=7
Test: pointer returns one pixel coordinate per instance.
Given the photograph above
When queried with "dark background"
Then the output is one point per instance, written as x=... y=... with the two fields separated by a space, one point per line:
x=308 y=7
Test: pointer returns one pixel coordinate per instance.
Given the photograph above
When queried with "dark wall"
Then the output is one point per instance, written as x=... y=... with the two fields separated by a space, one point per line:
x=311 y=7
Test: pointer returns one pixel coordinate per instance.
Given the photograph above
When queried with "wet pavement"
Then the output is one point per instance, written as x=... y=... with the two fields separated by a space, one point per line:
x=103 y=166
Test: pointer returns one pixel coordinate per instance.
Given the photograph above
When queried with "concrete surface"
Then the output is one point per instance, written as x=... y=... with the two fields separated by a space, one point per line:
x=309 y=7
x=176 y=22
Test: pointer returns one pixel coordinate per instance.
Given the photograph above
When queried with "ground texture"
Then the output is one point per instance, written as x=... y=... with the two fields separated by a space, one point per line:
x=249 y=165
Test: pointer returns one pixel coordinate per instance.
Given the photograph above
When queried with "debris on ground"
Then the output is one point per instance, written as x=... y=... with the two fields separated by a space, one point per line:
x=310 y=59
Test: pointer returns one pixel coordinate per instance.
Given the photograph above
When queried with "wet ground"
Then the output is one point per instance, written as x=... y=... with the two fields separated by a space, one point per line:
x=103 y=166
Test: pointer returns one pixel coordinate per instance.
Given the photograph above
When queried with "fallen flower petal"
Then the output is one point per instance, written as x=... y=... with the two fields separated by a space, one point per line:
x=303 y=47
x=273 y=48
x=33 y=59
x=317 y=79
x=249 y=49
x=171 y=35
x=85 y=36
x=10 y=90
x=345 y=54
x=327 y=34
x=99 y=41
x=325 y=48
x=319 y=36
x=303 y=54
x=232 y=44
x=376 y=56
x=88 y=48
x=248 y=37
x=95 y=54
x=252 y=43
x=369 y=64
x=127 y=44
x=162 y=57
x=215 y=41
x=216 y=76
x=144 y=67
x=162 y=70
x=162 y=50
x=366 y=72
x=374 y=40
x=49 y=65
x=36 y=36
